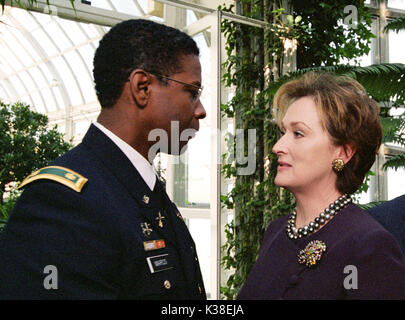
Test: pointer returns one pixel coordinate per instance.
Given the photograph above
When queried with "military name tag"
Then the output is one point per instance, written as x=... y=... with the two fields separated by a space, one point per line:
x=154 y=245
x=158 y=263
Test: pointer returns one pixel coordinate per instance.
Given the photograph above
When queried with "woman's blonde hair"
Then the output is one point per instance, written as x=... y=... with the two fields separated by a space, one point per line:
x=348 y=115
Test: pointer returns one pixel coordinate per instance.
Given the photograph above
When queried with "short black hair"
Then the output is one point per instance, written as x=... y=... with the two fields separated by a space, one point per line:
x=133 y=44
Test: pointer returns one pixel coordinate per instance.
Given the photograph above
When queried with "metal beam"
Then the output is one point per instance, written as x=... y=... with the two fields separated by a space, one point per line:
x=224 y=15
x=81 y=12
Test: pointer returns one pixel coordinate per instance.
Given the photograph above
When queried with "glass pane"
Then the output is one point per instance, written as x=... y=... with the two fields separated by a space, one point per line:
x=82 y=75
x=396 y=4
x=42 y=18
x=70 y=84
x=395 y=183
x=38 y=102
x=58 y=36
x=61 y=127
x=191 y=17
x=26 y=78
x=81 y=127
x=200 y=230
x=127 y=7
x=18 y=85
x=192 y=177
x=58 y=96
x=90 y=30
x=49 y=100
x=27 y=100
x=101 y=4
x=46 y=73
x=39 y=79
x=42 y=39
x=5 y=65
x=24 y=17
x=143 y=4
x=73 y=31
x=28 y=47
x=3 y=93
x=14 y=64
x=199 y=168
x=9 y=95
x=20 y=52
x=364 y=197
x=87 y=52
x=396 y=47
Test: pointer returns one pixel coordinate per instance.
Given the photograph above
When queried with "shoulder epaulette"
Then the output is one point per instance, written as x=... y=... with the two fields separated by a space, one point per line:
x=65 y=176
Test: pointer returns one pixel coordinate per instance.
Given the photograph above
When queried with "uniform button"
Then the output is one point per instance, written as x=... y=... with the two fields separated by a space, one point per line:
x=167 y=284
x=199 y=288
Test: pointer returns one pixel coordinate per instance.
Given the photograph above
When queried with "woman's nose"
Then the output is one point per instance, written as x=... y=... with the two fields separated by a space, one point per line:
x=279 y=147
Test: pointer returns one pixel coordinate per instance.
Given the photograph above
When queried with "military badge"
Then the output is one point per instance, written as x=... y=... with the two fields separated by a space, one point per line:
x=160 y=218
x=159 y=263
x=146 y=229
x=154 y=245
x=145 y=199
x=65 y=176
x=178 y=214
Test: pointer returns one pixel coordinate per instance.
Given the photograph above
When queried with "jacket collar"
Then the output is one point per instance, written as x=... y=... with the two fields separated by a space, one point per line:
x=121 y=167
x=118 y=164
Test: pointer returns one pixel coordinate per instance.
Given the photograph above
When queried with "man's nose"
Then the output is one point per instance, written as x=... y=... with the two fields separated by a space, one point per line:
x=200 y=112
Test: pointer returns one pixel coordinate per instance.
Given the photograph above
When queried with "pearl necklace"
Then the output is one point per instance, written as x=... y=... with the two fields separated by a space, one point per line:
x=327 y=214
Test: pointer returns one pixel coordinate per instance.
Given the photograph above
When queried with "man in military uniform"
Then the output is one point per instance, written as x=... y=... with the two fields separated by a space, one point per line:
x=97 y=223
x=391 y=215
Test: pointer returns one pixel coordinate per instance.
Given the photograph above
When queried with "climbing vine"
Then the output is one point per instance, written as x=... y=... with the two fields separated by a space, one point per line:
x=256 y=58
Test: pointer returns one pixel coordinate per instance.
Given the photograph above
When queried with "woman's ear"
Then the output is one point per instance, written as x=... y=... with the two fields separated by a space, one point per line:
x=140 y=87
x=346 y=152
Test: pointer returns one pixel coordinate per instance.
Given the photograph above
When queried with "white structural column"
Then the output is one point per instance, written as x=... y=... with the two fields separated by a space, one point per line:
x=215 y=193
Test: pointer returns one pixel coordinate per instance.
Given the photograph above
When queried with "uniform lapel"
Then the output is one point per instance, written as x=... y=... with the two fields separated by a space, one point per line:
x=121 y=167
x=117 y=162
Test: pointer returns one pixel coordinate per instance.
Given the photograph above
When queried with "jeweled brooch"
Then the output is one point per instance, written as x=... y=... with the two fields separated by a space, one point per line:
x=312 y=253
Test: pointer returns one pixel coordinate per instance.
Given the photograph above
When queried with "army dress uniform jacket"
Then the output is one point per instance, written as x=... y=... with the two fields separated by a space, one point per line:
x=391 y=215
x=111 y=238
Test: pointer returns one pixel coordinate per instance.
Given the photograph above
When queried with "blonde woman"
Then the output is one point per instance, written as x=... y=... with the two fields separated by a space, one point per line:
x=327 y=248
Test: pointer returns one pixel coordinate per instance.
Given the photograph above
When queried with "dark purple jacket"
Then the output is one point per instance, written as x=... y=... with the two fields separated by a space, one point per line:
x=359 y=253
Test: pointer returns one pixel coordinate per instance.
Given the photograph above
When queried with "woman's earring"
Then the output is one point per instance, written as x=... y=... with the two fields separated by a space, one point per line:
x=338 y=165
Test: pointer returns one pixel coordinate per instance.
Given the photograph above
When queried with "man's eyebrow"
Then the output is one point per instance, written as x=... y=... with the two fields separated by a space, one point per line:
x=294 y=123
x=196 y=83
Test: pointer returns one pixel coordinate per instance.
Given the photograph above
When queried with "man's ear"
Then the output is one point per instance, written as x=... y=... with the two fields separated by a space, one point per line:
x=140 y=87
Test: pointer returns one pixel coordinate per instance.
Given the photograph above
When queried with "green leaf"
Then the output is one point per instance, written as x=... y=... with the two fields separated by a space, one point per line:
x=396 y=25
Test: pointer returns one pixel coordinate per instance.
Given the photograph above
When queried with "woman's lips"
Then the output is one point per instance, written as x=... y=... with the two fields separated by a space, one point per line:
x=283 y=165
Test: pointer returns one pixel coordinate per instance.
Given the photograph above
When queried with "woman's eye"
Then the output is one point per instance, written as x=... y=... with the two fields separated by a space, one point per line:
x=298 y=133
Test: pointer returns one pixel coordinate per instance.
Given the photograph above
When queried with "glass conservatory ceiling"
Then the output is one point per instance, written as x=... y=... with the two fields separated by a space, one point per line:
x=46 y=61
